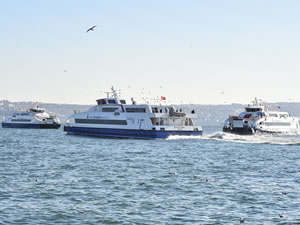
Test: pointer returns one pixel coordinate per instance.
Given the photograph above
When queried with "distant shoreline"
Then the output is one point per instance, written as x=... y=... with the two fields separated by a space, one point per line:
x=207 y=114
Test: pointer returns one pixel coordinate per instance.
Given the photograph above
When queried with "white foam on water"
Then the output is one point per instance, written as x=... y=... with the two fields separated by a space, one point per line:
x=286 y=139
x=182 y=137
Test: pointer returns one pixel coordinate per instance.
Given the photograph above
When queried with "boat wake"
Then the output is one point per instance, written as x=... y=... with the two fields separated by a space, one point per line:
x=287 y=139
x=183 y=137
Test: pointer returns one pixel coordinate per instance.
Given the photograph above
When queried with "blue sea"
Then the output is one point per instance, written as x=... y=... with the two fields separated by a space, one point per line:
x=48 y=177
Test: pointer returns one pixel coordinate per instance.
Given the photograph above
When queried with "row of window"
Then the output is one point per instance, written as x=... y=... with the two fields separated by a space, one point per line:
x=280 y=115
x=109 y=101
x=106 y=109
x=20 y=120
x=129 y=110
x=277 y=124
x=20 y=114
x=108 y=122
x=136 y=110
x=253 y=109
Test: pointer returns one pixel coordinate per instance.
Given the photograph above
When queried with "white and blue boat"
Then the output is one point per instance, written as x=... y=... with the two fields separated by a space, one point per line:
x=113 y=118
x=257 y=118
x=32 y=118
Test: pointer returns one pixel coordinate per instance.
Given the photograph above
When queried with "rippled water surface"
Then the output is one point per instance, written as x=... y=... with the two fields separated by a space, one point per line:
x=47 y=177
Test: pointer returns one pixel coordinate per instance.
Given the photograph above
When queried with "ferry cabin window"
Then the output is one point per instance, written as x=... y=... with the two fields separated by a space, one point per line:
x=283 y=115
x=273 y=115
x=155 y=110
x=37 y=110
x=253 y=109
x=188 y=122
x=21 y=120
x=109 y=109
x=101 y=102
x=123 y=101
x=135 y=110
x=96 y=121
x=110 y=101
x=277 y=124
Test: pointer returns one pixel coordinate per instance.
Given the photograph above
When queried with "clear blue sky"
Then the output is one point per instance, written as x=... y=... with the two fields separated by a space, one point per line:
x=188 y=51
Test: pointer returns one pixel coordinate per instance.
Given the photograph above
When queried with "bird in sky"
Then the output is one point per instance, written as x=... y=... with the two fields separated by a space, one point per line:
x=91 y=28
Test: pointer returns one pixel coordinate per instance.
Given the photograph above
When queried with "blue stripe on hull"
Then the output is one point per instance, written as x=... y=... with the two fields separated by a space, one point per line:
x=125 y=133
x=30 y=125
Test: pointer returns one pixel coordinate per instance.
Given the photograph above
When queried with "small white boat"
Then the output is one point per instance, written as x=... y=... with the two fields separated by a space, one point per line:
x=112 y=117
x=257 y=118
x=32 y=118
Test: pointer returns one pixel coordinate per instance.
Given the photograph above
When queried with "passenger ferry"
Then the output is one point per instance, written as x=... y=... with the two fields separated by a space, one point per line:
x=258 y=119
x=32 y=118
x=112 y=117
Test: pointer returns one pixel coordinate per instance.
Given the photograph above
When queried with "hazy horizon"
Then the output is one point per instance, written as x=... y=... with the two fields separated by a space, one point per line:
x=163 y=103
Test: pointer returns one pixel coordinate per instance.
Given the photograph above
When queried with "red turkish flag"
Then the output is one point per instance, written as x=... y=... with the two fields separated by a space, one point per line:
x=163 y=98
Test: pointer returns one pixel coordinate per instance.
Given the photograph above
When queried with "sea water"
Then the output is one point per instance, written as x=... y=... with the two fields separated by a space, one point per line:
x=48 y=177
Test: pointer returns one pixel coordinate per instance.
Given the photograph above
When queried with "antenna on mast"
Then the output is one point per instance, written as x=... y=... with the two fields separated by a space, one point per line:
x=115 y=94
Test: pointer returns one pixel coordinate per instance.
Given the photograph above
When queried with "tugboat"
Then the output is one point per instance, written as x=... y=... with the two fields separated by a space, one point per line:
x=257 y=118
x=113 y=118
x=32 y=118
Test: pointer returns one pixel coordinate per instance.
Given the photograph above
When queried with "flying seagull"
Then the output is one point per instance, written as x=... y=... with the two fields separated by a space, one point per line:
x=91 y=29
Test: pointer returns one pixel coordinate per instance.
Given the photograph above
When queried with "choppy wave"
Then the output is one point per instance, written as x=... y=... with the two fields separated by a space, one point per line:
x=50 y=178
